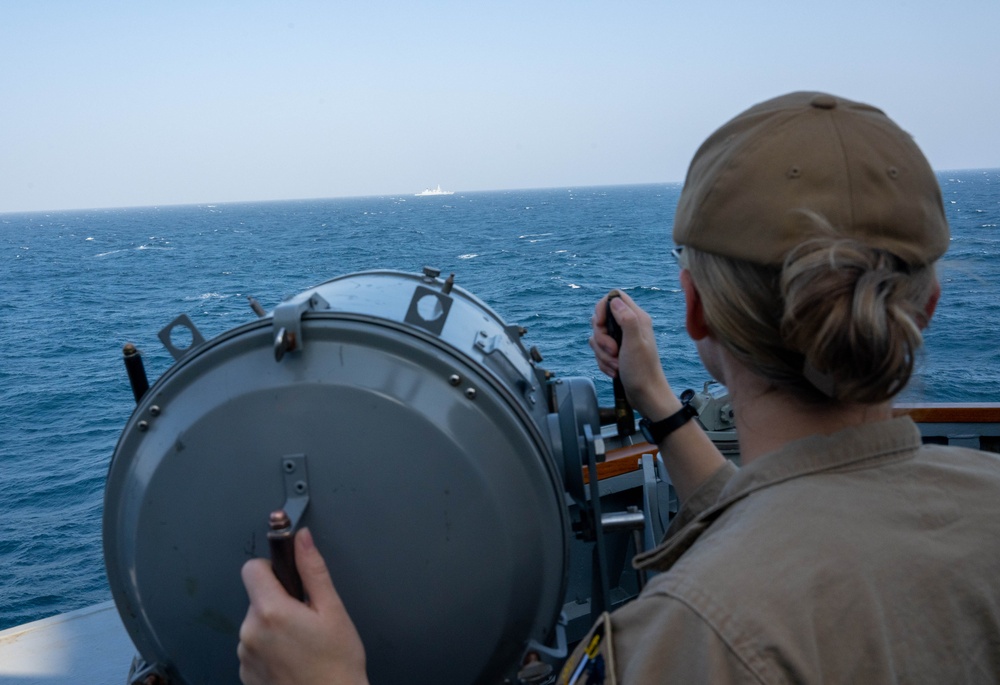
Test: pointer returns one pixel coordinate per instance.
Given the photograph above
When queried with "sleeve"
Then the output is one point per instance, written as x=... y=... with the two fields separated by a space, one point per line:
x=660 y=639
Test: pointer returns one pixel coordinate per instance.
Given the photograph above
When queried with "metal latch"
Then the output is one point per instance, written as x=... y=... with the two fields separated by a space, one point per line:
x=283 y=523
x=288 y=322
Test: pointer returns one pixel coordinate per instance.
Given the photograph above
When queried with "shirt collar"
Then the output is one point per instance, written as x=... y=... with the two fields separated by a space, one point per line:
x=852 y=447
x=863 y=446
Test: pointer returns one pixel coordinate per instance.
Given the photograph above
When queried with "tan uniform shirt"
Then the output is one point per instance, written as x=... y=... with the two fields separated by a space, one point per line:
x=861 y=557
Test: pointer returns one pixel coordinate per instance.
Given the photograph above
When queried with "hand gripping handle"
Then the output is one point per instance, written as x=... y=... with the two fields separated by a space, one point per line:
x=624 y=415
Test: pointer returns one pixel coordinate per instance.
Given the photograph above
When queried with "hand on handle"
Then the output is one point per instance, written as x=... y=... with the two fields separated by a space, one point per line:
x=624 y=415
x=635 y=359
x=287 y=642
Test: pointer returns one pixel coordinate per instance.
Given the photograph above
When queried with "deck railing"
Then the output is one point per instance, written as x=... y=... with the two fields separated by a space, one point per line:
x=975 y=425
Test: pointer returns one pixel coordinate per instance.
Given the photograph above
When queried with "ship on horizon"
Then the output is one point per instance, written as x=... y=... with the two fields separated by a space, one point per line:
x=434 y=191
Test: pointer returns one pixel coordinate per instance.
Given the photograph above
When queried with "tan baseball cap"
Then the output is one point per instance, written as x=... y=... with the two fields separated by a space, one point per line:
x=847 y=161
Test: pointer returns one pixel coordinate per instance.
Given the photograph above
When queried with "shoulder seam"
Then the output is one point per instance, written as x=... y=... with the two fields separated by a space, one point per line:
x=753 y=671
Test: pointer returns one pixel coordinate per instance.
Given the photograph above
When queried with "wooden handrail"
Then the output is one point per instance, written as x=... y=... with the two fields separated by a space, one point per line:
x=950 y=412
x=621 y=460
x=626 y=459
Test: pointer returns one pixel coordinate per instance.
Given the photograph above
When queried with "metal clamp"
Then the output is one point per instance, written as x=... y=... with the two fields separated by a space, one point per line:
x=288 y=322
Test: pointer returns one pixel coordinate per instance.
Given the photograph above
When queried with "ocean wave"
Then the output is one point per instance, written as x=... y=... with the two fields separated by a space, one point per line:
x=207 y=296
x=649 y=288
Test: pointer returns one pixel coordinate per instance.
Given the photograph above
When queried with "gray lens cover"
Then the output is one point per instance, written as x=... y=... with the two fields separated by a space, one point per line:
x=432 y=492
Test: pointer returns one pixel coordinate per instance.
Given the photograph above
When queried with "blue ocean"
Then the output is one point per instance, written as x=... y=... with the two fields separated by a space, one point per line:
x=75 y=286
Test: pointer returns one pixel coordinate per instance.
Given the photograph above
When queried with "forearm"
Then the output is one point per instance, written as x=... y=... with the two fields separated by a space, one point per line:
x=690 y=457
x=688 y=453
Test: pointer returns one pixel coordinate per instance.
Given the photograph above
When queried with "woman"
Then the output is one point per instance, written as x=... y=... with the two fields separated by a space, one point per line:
x=842 y=550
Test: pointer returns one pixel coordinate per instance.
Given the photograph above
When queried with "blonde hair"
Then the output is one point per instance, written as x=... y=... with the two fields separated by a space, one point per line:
x=838 y=321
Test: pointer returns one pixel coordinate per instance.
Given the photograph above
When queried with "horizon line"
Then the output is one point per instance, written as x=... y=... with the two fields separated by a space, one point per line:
x=937 y=172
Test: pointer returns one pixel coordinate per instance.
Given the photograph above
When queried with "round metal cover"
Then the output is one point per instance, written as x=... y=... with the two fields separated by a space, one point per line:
x=436 y=503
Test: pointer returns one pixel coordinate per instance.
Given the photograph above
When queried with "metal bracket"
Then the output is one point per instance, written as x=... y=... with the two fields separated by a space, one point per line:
x=296 y=487
x=631 y=520
x=487 y=343
x=600 y=596
x=183 y=321
x=560 y=650
x=428 y=309
x=283 y=522
x=659 y=500
x=142 y=673
x=288 y=322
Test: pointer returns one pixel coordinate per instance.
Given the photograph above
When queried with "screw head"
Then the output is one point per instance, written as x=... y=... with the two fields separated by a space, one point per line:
x=470 y=393
x=154 y=410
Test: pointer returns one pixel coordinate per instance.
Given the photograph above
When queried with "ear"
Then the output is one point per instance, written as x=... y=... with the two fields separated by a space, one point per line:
x=695 y=317
x=932 y=303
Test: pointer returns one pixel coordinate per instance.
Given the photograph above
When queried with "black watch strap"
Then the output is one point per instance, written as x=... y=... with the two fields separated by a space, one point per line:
x=655 y=433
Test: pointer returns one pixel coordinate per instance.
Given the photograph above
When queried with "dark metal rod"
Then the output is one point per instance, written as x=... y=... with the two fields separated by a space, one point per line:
x=255 y=306
x=136 y=371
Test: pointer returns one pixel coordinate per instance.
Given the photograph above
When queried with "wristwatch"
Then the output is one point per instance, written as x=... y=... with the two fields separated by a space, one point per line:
x=656 y=432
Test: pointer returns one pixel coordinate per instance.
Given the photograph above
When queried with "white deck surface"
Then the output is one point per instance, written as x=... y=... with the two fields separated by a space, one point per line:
x=89 y=646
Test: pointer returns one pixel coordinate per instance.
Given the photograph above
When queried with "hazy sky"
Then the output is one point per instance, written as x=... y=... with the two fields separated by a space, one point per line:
x=137 y=103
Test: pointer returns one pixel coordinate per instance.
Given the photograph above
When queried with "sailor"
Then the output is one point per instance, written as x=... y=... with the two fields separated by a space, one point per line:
x=842 y=549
